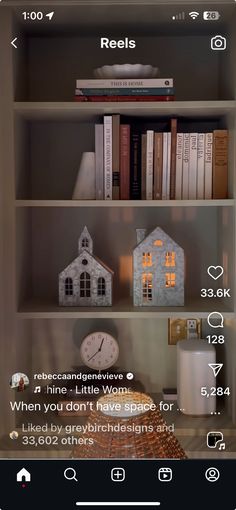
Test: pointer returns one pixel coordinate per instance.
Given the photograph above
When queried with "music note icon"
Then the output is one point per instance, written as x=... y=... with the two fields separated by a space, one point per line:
x=37 y=389
x=222 y=446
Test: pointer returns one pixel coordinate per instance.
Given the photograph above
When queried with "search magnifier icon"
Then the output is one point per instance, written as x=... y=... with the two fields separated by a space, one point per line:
x=70 y=474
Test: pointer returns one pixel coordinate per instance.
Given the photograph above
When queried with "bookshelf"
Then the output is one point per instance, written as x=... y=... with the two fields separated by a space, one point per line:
x=40 y=223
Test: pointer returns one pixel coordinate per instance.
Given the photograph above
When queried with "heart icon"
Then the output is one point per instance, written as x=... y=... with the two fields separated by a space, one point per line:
x=215 y=272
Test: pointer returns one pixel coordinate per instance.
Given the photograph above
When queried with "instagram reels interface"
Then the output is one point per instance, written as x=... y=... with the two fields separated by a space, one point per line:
x=117 y=254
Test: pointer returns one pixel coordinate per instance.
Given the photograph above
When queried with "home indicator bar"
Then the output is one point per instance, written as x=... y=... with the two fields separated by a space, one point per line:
x=119 y=503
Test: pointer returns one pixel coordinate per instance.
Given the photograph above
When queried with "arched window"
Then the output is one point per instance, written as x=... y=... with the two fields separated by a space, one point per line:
x=101 y=286
x=85 y=285
x=69 y=287
x=85 y=242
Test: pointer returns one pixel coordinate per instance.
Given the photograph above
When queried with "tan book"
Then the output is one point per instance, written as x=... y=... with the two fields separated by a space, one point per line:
x=220 y=163
x=144 y=165
x=115 y=157
x=158 y=166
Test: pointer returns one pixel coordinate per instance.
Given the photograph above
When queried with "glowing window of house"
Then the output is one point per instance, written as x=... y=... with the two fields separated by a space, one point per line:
x=158 y=242
x=170 y=280
x=85 y=242
x=85 y=285
x=147 y=286
x=170 y=259
x=69 y=287
x=147 y=259
x=101 y=287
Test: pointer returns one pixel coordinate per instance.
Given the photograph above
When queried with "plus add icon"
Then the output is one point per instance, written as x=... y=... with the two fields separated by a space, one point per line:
x=118 y=474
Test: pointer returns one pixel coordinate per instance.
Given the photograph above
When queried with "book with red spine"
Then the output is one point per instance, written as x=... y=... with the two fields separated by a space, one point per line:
x=120 y=99
x=124 y=161
x=173 y=158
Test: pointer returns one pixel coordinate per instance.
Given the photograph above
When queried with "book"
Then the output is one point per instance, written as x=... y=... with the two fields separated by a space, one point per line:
x=124 y=162
x=149 y=165
x=173 y=129
x=113 y=99
x=108 y=157
x=208 y=166
x=201 y=165
x=115 y=157
x=143 y=166
x=192 y=183
x=220 y=164
x=126 y=92
x=99 y=161
x=158 y=166
x=169 y=137
x=179 y=166
x=186 y=153
x=125 y=83
x=135 y=163
x=164 y=166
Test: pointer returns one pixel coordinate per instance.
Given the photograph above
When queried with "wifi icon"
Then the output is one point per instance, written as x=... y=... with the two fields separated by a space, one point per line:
x=194 y=14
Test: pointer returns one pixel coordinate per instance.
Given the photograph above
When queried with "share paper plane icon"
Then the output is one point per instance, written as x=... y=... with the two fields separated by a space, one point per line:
x=50 y=15
x=216 y=367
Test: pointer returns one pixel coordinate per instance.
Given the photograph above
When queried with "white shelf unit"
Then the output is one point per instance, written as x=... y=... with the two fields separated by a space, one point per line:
x=44 y=135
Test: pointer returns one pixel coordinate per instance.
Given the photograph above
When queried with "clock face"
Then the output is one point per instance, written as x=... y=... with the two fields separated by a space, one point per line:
x=99 y=350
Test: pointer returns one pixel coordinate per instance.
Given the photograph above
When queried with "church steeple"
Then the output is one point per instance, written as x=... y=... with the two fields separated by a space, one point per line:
x=85 y=241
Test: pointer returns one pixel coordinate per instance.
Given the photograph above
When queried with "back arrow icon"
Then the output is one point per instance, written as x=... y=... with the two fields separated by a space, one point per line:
x=13 y=42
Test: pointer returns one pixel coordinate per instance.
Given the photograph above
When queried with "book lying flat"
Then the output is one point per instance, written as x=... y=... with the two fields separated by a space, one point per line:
x=126 y=92
x=125 y=83
x=97 y=99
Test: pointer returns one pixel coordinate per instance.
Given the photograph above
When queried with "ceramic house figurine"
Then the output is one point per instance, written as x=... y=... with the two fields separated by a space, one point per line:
x=86 y=281
x=158 y=270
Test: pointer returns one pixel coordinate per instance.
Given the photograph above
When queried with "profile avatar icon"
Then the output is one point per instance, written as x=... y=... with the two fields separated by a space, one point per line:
x=19 y=381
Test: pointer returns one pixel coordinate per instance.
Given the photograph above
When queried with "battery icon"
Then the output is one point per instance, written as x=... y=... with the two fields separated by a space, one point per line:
x=211 y=15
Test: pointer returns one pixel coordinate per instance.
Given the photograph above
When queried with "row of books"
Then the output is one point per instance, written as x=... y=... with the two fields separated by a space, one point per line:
x=140 y=164
x=149 y=89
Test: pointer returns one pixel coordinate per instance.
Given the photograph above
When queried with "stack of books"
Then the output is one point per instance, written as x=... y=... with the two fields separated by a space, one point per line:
x=153 y=89
x=134 y=162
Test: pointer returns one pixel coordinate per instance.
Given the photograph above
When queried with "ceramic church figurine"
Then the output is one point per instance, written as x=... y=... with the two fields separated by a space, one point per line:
x=86 y=281
x=158 y=270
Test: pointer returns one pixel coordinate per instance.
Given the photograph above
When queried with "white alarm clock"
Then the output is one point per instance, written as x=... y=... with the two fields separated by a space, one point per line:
x=99 y=350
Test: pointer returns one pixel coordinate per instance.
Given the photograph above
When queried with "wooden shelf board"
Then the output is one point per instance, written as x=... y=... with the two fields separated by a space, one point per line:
x=86 y=111
x=125 y=203
x=122 y=310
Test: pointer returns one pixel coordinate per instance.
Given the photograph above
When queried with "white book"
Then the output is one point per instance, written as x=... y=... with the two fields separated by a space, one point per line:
x=208 y=166
x=201 y=165
x=185 y=166
x=149 y=165
x=192 y=182
x=125 y=83
x=99 y=161
x=168 y=166
x=165 y=166
x=108 y=157
x=179 y=166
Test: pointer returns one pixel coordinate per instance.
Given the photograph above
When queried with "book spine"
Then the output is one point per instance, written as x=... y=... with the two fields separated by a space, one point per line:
x=220 y=164
x=186 y=166
x=208 y=166
x=135 y=165
x=119 y=99
x=124 y=162
x=165 y=166
x=126 y=92
x=173 y=158
x=149 y=165
x=144 y=166
x=179 y=166
x=158 y=166
x=168 y=166
x=192 y=183
x=115 y=157
x=108 y=157
x=99 y=161
x=201 y=165
x=126 y=83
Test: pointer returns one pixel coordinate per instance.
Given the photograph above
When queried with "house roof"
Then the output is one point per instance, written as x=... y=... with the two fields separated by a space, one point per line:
x=158 y=232
x=88 y=254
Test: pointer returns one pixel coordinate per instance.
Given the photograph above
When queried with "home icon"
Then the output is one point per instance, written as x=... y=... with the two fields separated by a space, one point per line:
x=23 y=476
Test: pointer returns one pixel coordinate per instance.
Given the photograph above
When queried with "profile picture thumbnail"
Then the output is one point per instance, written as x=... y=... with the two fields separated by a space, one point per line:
x=19 y=381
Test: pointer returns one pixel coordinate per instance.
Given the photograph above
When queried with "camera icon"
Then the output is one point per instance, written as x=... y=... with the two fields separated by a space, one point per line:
x=218 y=43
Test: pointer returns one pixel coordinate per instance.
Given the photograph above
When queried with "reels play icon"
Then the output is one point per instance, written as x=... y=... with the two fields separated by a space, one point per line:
x=165 y=474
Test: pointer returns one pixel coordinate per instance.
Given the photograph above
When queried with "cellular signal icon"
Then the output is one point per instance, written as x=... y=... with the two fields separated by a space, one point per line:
x=194 y=14
x=180 y=16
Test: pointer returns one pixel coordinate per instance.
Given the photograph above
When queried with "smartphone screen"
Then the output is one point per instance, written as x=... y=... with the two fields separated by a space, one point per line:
x=117 y=258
